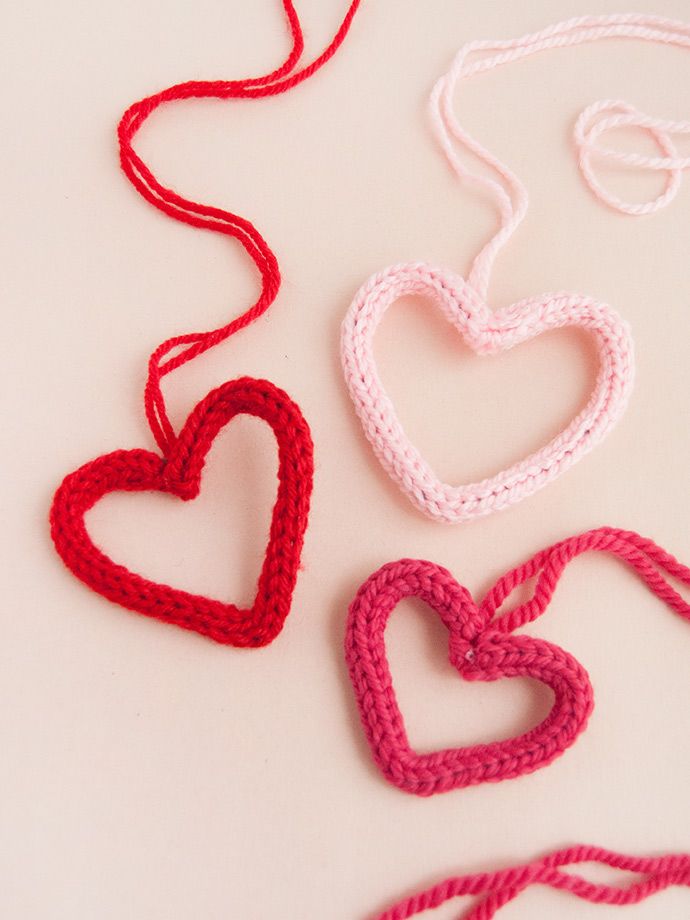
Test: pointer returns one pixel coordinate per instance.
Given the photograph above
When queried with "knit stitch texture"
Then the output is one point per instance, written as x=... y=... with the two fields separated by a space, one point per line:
x=482 y=647
x=179 y=474
x=178 y=468
x=486 y=332
x=464 y=302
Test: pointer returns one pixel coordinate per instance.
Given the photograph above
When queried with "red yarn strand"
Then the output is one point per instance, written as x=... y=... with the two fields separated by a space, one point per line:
x=178 y=472
x=211 y=218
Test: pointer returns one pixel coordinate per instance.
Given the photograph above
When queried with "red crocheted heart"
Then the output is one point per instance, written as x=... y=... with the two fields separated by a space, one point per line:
x=180 y=475
x=480 y=653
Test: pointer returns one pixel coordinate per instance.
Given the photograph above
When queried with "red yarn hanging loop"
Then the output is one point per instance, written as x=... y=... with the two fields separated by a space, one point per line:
x=178 y=471
x=182 y=348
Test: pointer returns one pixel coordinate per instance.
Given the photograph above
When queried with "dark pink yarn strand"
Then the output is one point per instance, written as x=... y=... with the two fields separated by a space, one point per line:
x=496 y=889
x=641 y=553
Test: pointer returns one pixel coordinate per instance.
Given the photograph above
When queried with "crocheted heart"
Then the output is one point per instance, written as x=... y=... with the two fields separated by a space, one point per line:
x=485 y=332
x=480 y=653
x=180 y=475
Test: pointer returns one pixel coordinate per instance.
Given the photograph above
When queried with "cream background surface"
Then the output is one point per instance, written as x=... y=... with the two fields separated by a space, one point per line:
x=150 y=774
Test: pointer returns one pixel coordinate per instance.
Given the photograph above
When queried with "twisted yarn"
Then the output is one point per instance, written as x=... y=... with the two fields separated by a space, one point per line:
x=609 y=114
x=464 y=301
x=509 y=194
x=178 y=468
x=483 y=648
x=217 y=220
x=496 y=889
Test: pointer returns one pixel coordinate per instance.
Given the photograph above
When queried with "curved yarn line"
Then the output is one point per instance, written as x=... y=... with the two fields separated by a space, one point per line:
x=640 y=553
x=509 y=193
x=206 y=217
x=496 y=889
x=609 y=114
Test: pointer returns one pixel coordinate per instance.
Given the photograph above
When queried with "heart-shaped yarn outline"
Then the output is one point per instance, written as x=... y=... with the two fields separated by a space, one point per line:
x=180 y=475
x=485 y=332
x=480 y=654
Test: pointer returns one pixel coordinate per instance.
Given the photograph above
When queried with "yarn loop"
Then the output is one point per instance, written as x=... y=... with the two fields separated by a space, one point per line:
x=178 y=470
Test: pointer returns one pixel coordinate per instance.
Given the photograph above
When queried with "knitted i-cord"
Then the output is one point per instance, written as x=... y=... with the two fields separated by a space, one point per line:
x=463 y=302
x=496 y=889
x=177 y=469
x=483 y=647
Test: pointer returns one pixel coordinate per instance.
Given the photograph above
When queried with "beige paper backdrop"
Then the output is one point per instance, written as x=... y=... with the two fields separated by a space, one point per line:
x=150 y=774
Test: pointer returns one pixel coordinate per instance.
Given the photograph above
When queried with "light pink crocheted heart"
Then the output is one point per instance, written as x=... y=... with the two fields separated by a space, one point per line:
x=486 y=332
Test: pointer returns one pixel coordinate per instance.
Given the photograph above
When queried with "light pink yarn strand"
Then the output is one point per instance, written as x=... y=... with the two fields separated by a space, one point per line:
x=609 y=114
x=464 y=302
x=606 y=115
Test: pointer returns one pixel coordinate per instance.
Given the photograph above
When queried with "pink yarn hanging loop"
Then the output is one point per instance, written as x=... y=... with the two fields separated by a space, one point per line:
x=479 y=57
x=463 y=302
x=483 y=645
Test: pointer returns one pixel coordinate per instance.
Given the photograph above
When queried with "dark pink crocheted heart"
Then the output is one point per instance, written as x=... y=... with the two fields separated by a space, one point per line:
x=480 y=653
